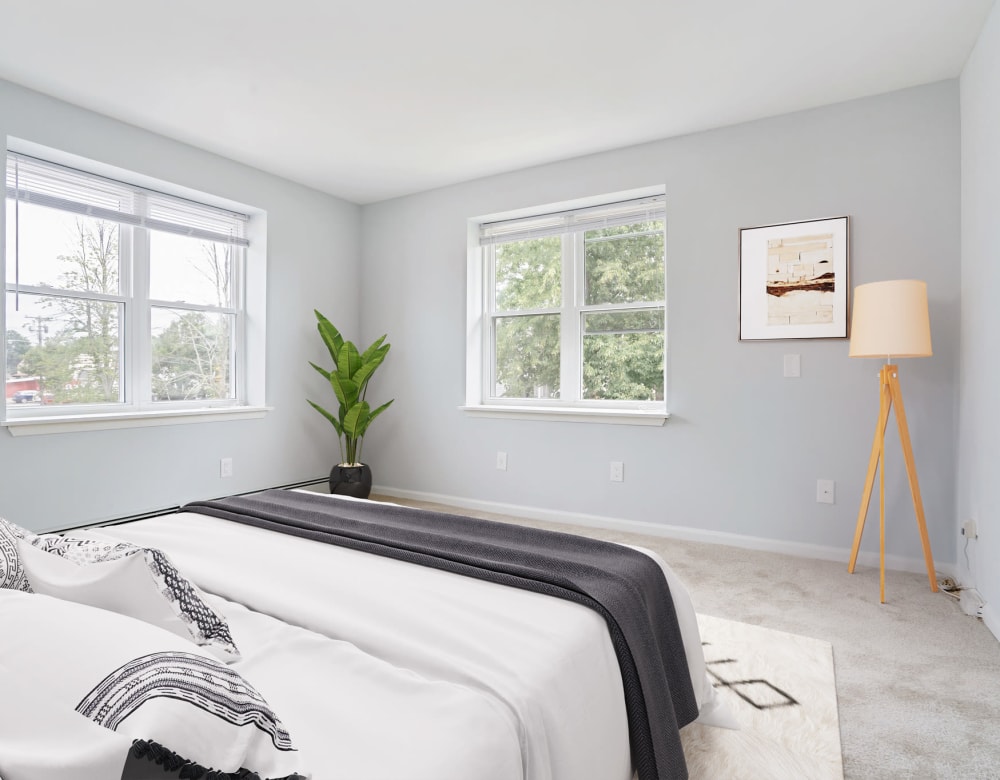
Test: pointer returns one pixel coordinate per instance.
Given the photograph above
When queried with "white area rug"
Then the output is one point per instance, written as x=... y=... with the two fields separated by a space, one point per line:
x=780 y=688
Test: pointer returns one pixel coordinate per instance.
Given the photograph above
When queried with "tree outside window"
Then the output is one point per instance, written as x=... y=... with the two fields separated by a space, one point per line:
x=577 y=313
x=116 y=295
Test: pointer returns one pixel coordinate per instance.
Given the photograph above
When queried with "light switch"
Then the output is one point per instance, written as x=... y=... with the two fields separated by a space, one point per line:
x=792 y=365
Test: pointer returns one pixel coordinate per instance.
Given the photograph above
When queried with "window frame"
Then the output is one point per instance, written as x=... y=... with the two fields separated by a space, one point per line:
x=136 y=408
x=482 y=316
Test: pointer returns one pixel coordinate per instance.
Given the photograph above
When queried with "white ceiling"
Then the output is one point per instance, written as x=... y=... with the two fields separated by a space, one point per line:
x=377 y=98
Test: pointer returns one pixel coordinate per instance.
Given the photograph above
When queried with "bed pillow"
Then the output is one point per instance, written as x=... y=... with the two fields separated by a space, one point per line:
x=138 y=582
x=11 y=568
x=171 y=699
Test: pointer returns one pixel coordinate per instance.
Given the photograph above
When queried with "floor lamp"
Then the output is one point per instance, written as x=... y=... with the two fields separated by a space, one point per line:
x=890 y=320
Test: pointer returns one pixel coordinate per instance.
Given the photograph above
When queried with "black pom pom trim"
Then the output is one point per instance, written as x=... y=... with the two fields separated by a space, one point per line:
x=157 y=754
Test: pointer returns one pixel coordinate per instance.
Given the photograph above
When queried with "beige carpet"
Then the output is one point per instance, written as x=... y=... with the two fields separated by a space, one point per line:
x=780 y=688
x=918 y=682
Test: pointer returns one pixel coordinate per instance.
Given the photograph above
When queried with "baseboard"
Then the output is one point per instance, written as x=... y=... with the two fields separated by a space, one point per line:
x=800 y=549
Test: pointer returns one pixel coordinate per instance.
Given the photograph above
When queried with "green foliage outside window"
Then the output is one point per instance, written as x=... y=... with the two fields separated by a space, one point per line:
x=622 y=350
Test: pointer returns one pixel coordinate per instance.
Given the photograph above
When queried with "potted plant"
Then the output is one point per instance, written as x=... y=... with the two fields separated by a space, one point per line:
x=349 y=379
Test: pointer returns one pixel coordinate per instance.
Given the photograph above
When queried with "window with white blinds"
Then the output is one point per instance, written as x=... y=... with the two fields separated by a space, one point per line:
x=569 y=305
x=118 y=297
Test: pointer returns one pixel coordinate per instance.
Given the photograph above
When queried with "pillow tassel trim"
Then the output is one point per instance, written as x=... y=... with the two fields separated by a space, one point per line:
x=157 y=754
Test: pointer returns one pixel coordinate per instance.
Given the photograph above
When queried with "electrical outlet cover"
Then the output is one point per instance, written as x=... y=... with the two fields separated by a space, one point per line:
x=824 y=491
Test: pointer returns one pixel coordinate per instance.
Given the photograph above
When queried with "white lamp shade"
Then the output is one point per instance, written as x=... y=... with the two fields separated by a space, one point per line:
x=890 y=319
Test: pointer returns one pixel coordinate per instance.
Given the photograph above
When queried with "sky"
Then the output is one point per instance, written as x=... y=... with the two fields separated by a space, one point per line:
x=38 y=236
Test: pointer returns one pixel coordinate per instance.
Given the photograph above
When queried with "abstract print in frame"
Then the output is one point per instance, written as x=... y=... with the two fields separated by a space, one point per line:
x=793 y=280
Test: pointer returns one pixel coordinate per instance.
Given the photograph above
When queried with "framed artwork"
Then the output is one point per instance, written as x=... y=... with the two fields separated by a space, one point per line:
x=793 y=280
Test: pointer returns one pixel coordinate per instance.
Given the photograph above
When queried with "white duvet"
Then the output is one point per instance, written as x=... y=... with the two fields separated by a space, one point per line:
x=386 y=670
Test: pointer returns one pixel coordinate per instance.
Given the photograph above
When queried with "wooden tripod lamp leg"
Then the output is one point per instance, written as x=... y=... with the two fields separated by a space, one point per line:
x=881 y=513
x=885 y=401
x=896 y=395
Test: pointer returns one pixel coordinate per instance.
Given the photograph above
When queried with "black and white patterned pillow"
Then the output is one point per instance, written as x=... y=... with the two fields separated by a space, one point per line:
x=11 y=568
x=135 y=581
x=146 y=684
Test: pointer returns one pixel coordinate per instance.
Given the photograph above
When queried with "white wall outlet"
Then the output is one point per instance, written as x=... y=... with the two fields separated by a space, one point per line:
x=793 y=365
x=824 y=491
x=501 y=461
x=969 y=529
x=225 y=467
x=617 y=471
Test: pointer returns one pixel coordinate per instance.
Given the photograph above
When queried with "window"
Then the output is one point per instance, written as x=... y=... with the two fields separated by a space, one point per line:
x=569 y=308
x=119 y=298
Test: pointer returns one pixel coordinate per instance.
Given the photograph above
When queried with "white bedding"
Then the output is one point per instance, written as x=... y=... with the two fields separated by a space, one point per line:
x=431 y=675
x=40 y=738
x=355 y=716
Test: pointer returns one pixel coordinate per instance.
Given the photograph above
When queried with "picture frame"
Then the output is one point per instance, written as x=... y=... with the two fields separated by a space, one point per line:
x=794 y=280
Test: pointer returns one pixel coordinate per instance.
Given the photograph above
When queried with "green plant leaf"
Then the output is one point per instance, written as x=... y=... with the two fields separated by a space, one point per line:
x=364 y=374
x=357 y=420
x=347 y=391
x=368 y=368
x=372 y=416
x=348 y=361
x=331 y=336
x=336 y=423
x=323 y=372
x=366 y=356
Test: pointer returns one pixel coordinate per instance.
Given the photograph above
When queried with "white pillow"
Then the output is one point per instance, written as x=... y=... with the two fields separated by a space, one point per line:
x=11 y=568
x=144 y=683
x=138 y=582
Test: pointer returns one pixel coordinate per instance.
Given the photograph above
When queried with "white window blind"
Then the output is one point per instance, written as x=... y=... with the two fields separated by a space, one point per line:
x=30 y=180
x=628 y=212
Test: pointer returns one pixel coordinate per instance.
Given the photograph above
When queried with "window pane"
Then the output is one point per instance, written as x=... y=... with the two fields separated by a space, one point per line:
x=68 y=349
x=57 y=249
x=623 y=355
x=529 y=274
x=527 y=357
x=191 y=355
x=624 y=264
x=190 y=269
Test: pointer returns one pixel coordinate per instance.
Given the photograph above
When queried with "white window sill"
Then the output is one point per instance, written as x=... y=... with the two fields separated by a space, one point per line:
x=68 y=423
x=567 y=414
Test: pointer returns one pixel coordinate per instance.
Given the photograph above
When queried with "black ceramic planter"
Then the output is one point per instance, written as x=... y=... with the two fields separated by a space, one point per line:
x=354 y=481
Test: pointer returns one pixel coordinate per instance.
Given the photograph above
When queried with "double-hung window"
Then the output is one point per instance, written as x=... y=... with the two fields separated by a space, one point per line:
x=567 y=310
x=119 y=299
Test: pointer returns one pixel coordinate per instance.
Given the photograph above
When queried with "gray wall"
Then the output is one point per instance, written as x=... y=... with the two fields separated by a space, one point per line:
x=744 y=447
x=979 y=441
x=313 y=254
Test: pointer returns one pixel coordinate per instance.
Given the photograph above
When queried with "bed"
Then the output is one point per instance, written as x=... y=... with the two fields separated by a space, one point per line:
x=384 y=669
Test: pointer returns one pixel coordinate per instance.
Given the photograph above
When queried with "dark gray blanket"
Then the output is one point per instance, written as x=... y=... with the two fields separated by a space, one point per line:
x=625 y=586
